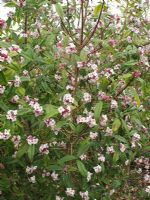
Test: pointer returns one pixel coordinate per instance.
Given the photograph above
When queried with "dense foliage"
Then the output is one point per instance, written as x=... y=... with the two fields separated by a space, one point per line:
x=75 y=101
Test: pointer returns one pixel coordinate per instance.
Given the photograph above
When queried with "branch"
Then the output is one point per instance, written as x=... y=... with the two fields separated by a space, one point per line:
x=121 y=91
x=86 y=40
x=82 y=22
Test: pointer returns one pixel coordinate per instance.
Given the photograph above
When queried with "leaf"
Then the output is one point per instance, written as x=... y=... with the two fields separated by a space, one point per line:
x=21 y=91
x=59 y=10
x=84 y=146
x=4 y=44
x=120 y=138
x=116 y=156
x=82 y=168
x=22 y=150
x=3 y=106
x=124 y=125
x=51 y=110
x=54 y=167
x=24 y=111
x=31 y=152
x=83 y=55
x=136 y=97
x=98 y=110
x=130 y=63
x=97 y=10
x=116 y=125
x=66 y=159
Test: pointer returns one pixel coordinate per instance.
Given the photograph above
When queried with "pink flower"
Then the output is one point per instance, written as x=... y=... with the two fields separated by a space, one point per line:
x=16 y=139
x=32 y=140
x=5 y=135
x=15 y=48
x=68 y=99
x=50 y=123
x=70 y=192
x=65 y=111
x=17 y=81
x=71 y=49
x=87 y=97
x=4 y=56
x=15 y=99
x=2 y=23
x=97 y=169
x=12 y=115
x=136 y=74
x=44 y=149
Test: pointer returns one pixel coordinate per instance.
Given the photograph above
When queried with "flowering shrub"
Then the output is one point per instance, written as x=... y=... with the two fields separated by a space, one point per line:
x=74 y=101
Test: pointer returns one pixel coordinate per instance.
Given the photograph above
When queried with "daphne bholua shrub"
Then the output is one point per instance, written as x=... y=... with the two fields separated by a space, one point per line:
x=75 y=100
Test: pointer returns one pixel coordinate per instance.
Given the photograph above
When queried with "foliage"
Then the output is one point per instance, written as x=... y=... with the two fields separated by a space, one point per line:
x=74 y=101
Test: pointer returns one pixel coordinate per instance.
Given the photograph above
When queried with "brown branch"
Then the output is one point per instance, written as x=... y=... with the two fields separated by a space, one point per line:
x=86 y=40
x=121 y=91
x=82 y=23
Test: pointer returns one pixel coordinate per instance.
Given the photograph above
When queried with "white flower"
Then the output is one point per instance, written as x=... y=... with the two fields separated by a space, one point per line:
x=71 y=48
x=54 y=176
x=2 y=89
x=101 y=157
x=50 y=123
x=84 y=195
x=87 y=97
x=16 y=140
x=70 y=192
x=17 y=81
x=59 y=198
x=32 y=179
x=68 y=99
x=89 y=176
x=147 y=189
x=93 y=135
x=97 y=169
x=83 y=157
x=110 y=149
x=12 y=115
x=15 y=48
x=103 y=121
x=5 y=135
x=32 y=140
x=114 y=104
x=44 y=149
x=93 y=77
x=64 y=111
x=30 y=170
x=109 y=132
x=15 y=99
x=122 y=147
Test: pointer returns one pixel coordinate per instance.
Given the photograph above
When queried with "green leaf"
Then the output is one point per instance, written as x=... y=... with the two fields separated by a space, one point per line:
x=51 y=110
x=59 y=10
x=120 y=138
x=66 y=159
x=3 y=106
x=82 y=168
x=98 y=110
x=116 y=156
x=97 y=10
x=136 y=97
x=84 y=146
x=31 y=152
x=83 y=55
x=116 y=125
x=22 y=150
x=21 y=91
